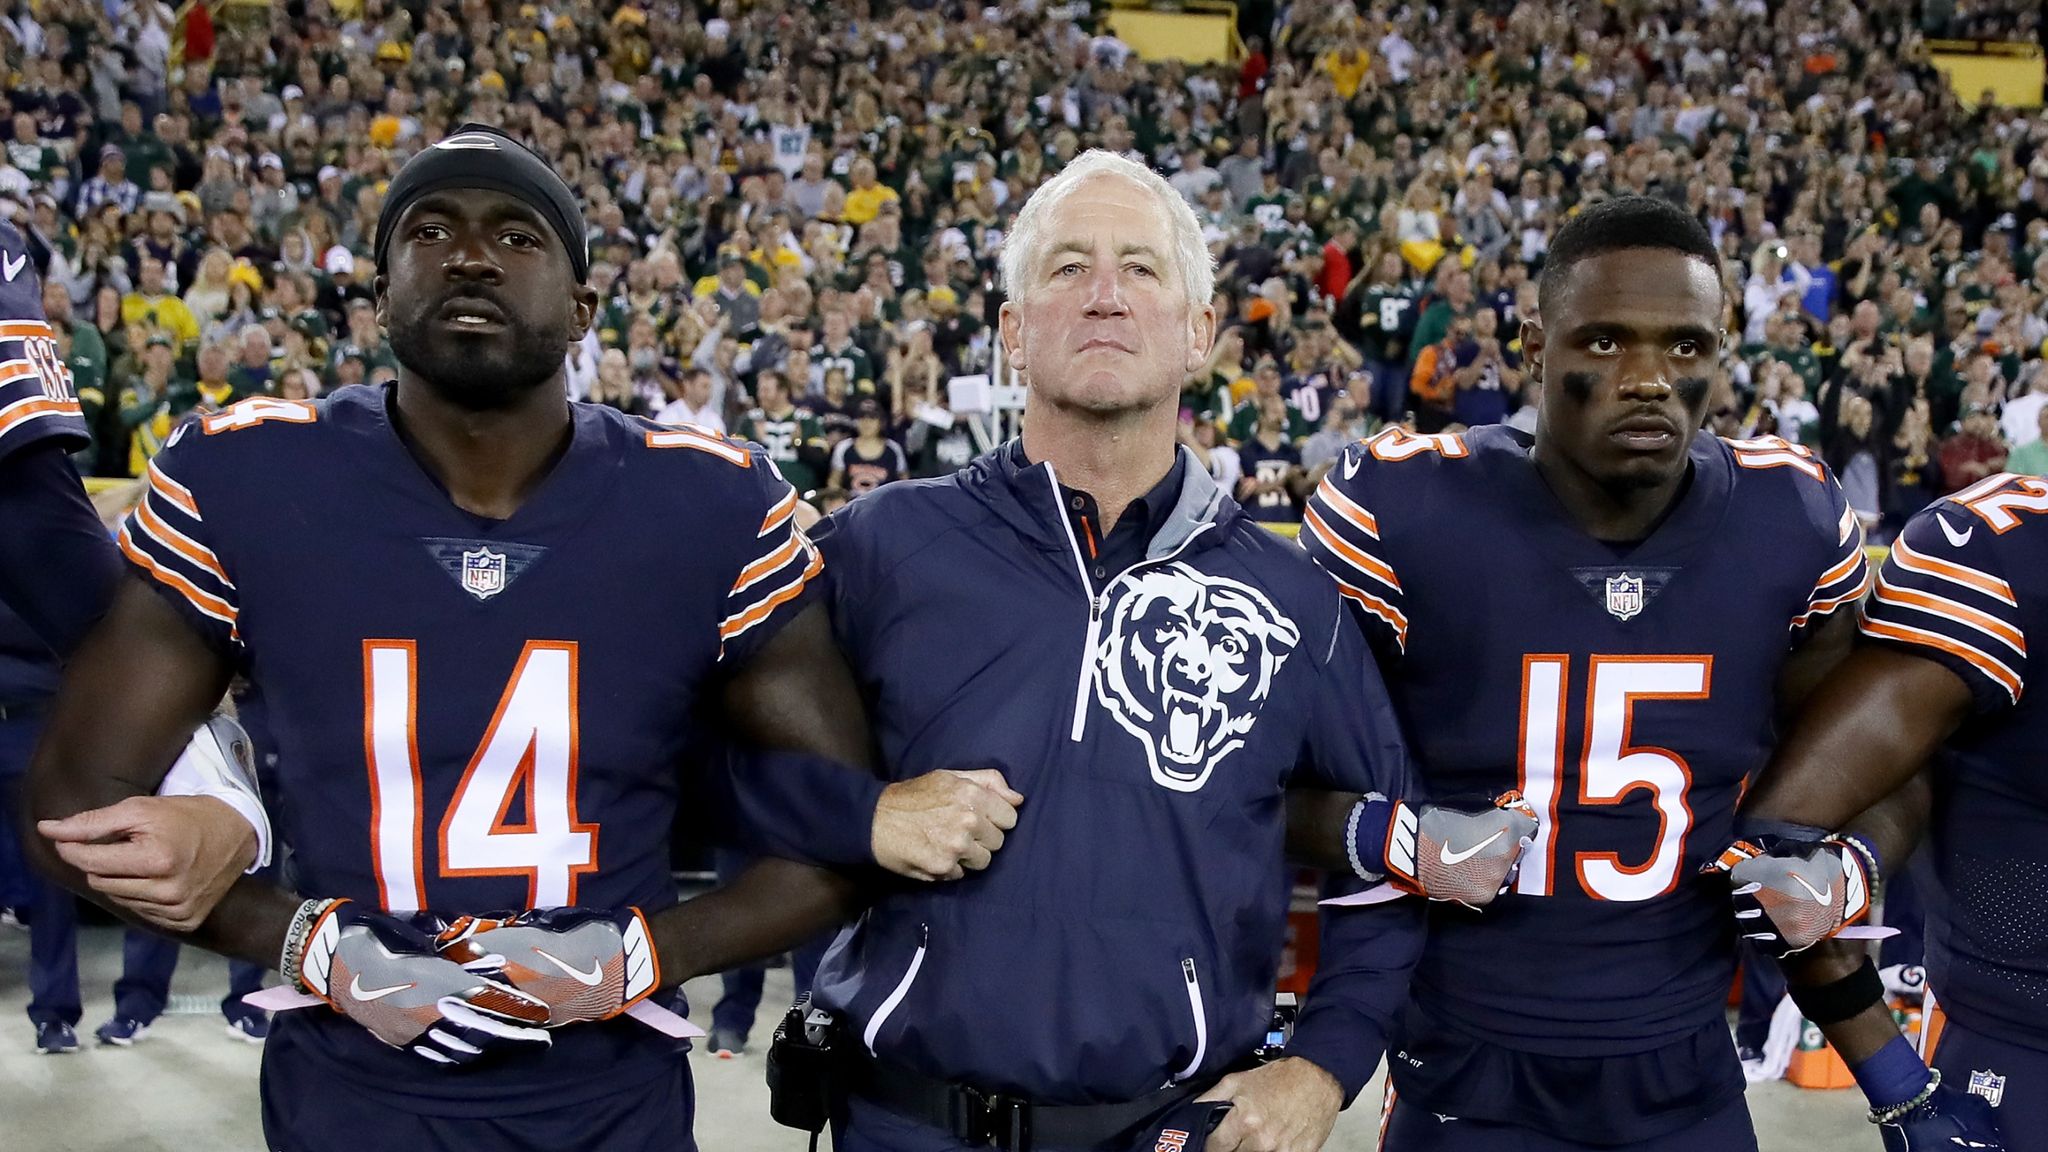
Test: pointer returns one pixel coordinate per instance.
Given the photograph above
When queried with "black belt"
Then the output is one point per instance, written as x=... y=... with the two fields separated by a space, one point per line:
x=999 y=1120
x=23 y=710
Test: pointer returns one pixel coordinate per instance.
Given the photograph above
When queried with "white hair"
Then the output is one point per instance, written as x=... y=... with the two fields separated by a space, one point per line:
x=1024 y=246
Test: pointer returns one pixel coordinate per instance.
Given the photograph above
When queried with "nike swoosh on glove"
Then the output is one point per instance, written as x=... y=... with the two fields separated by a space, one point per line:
x=584 y=964
x=1792 y=894
x=1466 y=857
x=388 y=975
x=1949 y=1121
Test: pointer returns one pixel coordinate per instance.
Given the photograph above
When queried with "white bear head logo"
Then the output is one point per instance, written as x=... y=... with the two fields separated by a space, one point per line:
x=1186 y=664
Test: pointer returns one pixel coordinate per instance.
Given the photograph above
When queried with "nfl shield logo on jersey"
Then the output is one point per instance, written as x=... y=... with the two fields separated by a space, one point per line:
x=1624 y=595
x=1989 y=1085
x=483 y=573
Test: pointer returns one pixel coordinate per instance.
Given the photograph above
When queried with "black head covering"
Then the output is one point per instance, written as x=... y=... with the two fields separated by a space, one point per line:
x=480 y=156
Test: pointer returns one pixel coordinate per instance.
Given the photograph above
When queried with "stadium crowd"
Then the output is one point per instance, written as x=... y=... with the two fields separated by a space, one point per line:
x=795 y=209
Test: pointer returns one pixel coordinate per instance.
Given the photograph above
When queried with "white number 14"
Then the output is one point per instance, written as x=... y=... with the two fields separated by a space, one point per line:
x=531 y=745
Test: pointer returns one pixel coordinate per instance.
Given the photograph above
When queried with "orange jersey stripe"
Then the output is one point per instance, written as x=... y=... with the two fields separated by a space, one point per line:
x=734 y=625
x=208 y=604
x=767 y=565
x=16 y=369
x=173 y=491
x=784 y=508
x=22 y=411
x=1914 y=560
x=161 y=531
x=1997 y=671
x=1370 y=565
x=1348 y=508
x=1823 y=607
x=25 y=330
x=702 y=442
x=1841 y=570
x=1386 y=612
x=1889 y=593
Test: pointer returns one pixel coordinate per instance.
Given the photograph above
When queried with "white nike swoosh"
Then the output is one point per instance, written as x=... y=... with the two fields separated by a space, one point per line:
x=1450 y=857
x=14 y=265
x=358 y=992
x=1822 y=895
x=587 y=979
x=1351 y=467
x=1955 y=538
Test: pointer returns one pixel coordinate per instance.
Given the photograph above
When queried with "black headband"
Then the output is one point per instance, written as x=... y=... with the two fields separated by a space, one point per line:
x=480 y=156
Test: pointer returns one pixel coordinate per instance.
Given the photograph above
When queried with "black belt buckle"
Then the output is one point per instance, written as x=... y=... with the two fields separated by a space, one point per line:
x=990 y=1119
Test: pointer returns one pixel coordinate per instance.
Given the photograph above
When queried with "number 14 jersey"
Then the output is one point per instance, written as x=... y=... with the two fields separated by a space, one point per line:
x=1627 y=690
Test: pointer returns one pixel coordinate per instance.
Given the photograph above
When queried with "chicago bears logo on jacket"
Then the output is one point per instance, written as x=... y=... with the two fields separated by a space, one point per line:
x=1186 y=664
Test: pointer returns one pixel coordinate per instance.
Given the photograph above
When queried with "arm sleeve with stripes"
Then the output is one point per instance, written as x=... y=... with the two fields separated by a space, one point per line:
x=169 y=540
x=1942 y=595
x=1342 y=535
x=776 y=577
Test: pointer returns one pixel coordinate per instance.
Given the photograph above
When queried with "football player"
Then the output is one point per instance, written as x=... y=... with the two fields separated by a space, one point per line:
x=56 y=574
x=1940 y=675
x=487 y=622
x=1606 y=616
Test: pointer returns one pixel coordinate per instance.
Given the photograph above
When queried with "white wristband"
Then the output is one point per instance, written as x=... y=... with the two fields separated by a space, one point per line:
x=217 y=762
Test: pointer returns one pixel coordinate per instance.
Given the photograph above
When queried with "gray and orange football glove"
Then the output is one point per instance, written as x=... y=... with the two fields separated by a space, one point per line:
x=1791 y=894
x=583 y=964
x=388 y=975
x=1466 y=857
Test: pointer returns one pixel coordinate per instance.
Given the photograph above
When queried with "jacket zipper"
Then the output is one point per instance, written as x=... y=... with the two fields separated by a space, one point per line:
x=874 y=1028
x=1096 y=603
x=1194 y=983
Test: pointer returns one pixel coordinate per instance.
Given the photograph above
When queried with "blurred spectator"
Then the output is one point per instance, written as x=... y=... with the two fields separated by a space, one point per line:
x=867 y=460
x=1973 y=451
x=2031 y=458
x=2021 y=421
x=694 y=404
x=1270 y=489
x=778 y=194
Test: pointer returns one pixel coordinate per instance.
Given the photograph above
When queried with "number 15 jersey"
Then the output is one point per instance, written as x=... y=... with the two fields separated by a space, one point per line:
x=1627 y=690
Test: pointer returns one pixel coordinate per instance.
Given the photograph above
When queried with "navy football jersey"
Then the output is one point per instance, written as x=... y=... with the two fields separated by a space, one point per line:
x=36 y=402
x=36 y=405
x=1627 y=691
x=472 y=714
x=1966 y=584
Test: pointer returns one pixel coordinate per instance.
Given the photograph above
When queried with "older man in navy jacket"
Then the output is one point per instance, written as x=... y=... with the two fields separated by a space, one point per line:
x=1086 y=611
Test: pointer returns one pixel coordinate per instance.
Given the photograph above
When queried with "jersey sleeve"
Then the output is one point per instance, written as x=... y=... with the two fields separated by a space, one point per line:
x=778 y=566
x=1941 y=595
x=1342 y=535
x=36 y=400
x=168 y=539
x=1844 y=570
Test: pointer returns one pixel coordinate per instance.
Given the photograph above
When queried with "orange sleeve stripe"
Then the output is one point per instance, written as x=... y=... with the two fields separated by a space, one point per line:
x=1348 y=508
x=1841 y=570
x=735 y=625
x=784 y=509
x=1825 y=607
x=702 y=442
x=1914 y=560
x=171 y=490
x=1998 y=672
x=22 y=411
x=208 y=604
x=1387 y=613
x=1365 y=562
x=25 y=330
x=767 y=565
x=1968 y=617
x=161 y=531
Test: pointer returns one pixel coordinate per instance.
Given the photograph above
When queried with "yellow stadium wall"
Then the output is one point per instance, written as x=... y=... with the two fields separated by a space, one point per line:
x=2013 y=72
x=1197 y=37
